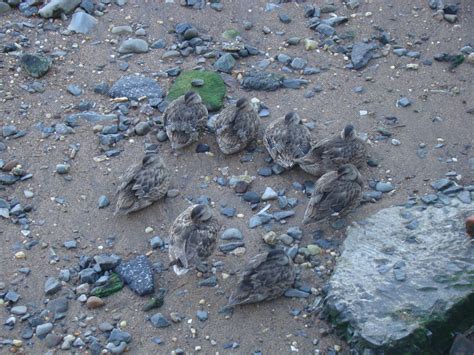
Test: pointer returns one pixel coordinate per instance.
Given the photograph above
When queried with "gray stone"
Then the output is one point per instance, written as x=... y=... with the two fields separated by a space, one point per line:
x=103 y=201
x=232 y=233
x=63 y=168
x=225 y=63
x=82 y=22
x=138 y=275
x=107 y=262
x=74 y=90
x=325 y=29
x=133 y=45
x=404 y=102
x=52 y=340
x=43 y=329
x=18 y=310
x=202 y=315
x=51 y=286
x=211 y=281
x=9 y=130
x=88 y=275
x=226 y=248
x=142 y=128
x=262 y=81
x=35 y=65
x=135 y=87
x=436 y=4
x=159 y=321
x=55 y=8
x=121 y=30
x=400 y=51
x=384 y=186
x=117 y=336
x=417 y=307
x=298 y=63
x=116 y=349
x=269 y=194
x=362 y=53
x=293 y=292
x=70 y=244
x=58 y=306
x=156 y=242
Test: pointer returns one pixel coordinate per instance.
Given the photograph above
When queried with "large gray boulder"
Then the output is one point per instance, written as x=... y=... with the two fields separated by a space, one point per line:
x=405 y=280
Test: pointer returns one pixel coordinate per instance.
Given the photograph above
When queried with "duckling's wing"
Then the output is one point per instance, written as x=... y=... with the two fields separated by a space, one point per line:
x=245 y=125
x=317 y=207
x=151 y=183
x=341 y=196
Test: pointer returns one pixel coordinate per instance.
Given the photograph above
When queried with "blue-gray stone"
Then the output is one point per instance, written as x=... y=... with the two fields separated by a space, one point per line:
x=413 y=54
x=311 y=71
x=298 y=63
x=156 y=242
x=202 y=315
x=51 y=286
x=226 y=248
x=134 y=87
x=283 y=215
x=117 y=336
x=464 y=197
x=225 y=63
x=209 y=282
x=404 y=102
x=251 y=196
x=133 y=45
x=293 y=292
x=103 y=201
x=294 y=83
x=232 y=233
x=362 y=53
x=107 y=262
x=325 y=29
x=35 y=65
x=295 y=232
x=264 y=171
x=82 y=22
x=400 y=51
x=228 y=211
x=88 y=275
x=9 y=130
x=441 y=184
x=262 y=81
x=7 y=179
x=384 y=186
x=138 y=275
x=70 y=244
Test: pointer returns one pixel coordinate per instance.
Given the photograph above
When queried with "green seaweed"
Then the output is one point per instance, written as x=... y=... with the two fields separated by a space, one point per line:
x=212 y=92
x=114 y=284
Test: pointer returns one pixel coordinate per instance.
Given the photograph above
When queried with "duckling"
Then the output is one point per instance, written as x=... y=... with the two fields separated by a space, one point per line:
x=330 y=153
x=267 y=276
x=183 y=118
x=142 y=184
x=336 y=194
x=236 y=126
x=193 y=238
x=287 y=140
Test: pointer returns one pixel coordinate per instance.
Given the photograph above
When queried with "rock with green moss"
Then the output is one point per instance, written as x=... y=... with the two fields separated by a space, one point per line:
x=404 y=283
x=212 y=90
x=35 y=65
x=230 y=34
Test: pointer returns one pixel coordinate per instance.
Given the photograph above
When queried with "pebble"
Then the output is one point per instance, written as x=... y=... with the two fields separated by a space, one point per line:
x=265 y=171
x=156 y=242
x=309 y=44
x=293 y=292
x=51 y=286
x=82 y=22
x=384 y=186
x=404 y=102
x=226 y=248
x=18 y=310
x=232 y=233
x=269 y=194
x=133 y=45
x=35 y=65
x=202 y=315
x=94 y=302
x=159 y=321
x=225 y=63
x=270 y=238
x=251 y=196
x=103 y=201
x=43 y=329
x=138 y=274
x=209 y=282
x=63 y=168
x=142 y=128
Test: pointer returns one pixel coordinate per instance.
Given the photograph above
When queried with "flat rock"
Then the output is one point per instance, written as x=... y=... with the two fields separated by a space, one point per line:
x=82 y=22
x=51 y=286
x=134 y=87
x=138 y=275
x=56 y=7
x=133 y=45
x=262 y=81
x=362 y=53
x=405 y=290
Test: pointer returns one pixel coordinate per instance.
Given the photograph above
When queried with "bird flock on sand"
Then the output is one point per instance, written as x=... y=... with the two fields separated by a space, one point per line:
x=334 y=161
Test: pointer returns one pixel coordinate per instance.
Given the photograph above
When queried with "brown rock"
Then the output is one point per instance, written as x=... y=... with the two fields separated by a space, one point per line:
x=10 y=165
x=94 y=302
x=470 y=226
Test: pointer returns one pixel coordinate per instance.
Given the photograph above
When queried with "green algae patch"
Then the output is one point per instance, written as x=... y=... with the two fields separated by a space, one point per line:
x=212 y=91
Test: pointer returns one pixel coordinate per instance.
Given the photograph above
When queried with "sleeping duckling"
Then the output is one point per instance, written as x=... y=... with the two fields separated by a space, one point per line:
x=193 y=238
x=267 y=276
x=336 y=193
x=287 y=140
x=184 y=118
x=142 y=184
x=330 y=153
x=236 y=126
